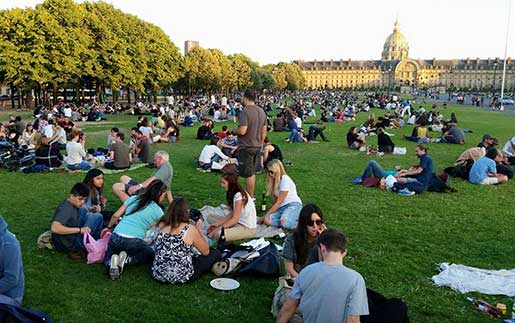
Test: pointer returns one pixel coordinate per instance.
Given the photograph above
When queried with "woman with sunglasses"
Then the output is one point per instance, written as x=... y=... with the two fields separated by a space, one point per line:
x=287 y=204
x=299 y=247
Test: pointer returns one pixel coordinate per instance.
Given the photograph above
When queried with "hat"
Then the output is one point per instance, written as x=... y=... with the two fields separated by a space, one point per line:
x=513 y=141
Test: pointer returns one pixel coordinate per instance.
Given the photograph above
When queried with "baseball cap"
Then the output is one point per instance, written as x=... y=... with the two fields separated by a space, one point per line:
x=513 y=141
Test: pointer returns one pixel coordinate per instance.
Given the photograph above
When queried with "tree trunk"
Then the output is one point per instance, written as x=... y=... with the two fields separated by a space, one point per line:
x=128 y=89
x=98 y=93
x=12 y=96
x=54 y=99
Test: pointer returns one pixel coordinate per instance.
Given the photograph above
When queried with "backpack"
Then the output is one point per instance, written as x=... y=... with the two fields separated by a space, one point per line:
x=438 y=183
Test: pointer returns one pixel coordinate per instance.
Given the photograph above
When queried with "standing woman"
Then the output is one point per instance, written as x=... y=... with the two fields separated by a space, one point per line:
x=240 y=223
x=286 y=203
x=174 y=260
x=127 y=244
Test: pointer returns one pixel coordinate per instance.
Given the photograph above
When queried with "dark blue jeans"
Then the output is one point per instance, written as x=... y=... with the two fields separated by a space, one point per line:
x=138 y=250
x=374 y=169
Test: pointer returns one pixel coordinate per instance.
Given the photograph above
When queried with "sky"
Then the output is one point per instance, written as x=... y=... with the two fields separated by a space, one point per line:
x=270 y=31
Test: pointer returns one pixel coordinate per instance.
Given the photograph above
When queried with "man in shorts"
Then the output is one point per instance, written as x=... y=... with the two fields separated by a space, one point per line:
x=128 y=186
x=484 y=170
x=251 y=135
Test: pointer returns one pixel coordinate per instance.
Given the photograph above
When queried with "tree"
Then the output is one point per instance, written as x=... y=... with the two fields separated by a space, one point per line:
x=202 y=69
x=242 y=72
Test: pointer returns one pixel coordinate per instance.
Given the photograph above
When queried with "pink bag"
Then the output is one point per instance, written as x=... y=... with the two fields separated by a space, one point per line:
x=96 y=248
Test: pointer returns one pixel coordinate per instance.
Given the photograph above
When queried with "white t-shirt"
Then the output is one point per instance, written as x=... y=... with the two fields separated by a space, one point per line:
x=62 y=136
x=208 y=152
x=74 y=152
x=287 y=185
x=248 y=212
x=48 y=131
x=146 y=131
x=298 y=122
x=508 y=148
x=67 y=112
x=224 y=100
x=217 y=115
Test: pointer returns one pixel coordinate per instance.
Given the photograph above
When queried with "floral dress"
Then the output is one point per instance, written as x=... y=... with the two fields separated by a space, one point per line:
x=173 y=258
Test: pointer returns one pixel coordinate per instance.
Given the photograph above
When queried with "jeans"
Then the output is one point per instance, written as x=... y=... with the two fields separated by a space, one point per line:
x=138 y=251
x=289 y=214
x=374 y=169
x=203 y=264
x=314 y=132
x=293 y=135
x=82 y=166
x=207 y=166
x=91 y=220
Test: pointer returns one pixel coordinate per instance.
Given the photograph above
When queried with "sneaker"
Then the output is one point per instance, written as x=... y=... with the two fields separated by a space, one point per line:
x=114 y=269
x=406 y=192
x=357 y=180
x=123 y=258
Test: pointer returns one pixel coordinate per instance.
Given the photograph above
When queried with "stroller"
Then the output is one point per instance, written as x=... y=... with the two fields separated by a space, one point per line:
x=16 y=158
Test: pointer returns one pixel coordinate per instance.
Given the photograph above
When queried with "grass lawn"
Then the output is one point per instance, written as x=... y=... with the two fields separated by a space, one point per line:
x=395 y=242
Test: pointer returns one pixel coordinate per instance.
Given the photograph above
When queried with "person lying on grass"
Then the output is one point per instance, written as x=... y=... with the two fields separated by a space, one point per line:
x=138 y=214
x=175 y=261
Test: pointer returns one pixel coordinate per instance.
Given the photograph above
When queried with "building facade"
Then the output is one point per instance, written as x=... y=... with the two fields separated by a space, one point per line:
x=189 y=45
x=396 y=71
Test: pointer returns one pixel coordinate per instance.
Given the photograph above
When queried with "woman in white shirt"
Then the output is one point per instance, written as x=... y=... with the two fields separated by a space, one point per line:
x=210 y=154
x=75 y=152
x=286 y=203
x=241 y=222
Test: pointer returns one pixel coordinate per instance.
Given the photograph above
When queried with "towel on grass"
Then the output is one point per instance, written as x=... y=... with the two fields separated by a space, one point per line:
x=467 y=279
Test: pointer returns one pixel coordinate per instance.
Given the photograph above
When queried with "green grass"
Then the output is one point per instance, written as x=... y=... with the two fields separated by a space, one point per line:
x=394 y=241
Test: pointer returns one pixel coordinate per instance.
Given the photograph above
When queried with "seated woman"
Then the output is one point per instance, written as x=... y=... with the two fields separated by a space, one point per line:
x=170 y=133
x=240 y=223
x=286 y=203
x=210 y=154
x=127 y=244
x=270 y=152
x=27 y=138
x=354 y=140
x=205 y=131
x=174 y=260
x=384 y=142
x=419 y=134
x=46 y=154
x=299 y=247
x=96 y=201
x=75 y=152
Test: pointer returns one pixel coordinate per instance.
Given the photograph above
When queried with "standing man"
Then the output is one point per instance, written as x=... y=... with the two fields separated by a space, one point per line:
x=327 y=291
x=251 y=135
x=12 y=279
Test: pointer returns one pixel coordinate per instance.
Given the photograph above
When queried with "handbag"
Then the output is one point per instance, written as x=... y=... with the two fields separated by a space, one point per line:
x=96 y=248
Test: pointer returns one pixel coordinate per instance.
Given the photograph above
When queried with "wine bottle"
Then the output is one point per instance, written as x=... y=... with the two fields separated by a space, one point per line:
x=221 y=240
x=263 y=202
x=484 y=307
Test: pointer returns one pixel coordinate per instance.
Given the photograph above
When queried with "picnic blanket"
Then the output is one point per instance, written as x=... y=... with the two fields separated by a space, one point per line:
x=467 y=279
x=111 y=171
x=262 y=231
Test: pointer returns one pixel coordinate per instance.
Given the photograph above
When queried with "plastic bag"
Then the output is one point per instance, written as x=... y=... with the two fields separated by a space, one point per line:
x=96 y=248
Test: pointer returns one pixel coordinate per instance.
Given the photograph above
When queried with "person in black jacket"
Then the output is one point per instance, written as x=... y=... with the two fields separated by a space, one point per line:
x=384 y=142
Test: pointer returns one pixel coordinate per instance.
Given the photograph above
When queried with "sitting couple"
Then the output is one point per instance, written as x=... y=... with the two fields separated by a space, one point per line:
x=408 y=182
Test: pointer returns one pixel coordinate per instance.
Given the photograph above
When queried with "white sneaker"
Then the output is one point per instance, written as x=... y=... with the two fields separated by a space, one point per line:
x=114 y=269
x=123 y=258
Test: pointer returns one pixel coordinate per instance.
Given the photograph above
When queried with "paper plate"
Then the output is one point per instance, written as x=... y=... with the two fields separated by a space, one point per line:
x=224 y=284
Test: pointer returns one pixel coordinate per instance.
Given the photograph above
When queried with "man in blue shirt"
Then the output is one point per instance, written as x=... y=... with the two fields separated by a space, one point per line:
x=421 y=174
x=484 y=170
x=12 y=279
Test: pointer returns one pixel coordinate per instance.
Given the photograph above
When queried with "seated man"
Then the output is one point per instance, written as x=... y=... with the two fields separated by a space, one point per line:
x=229 y=144
x=484 y=170
x=328 y=291
x=128 y=187
x=12 y=279
x=452 y=135
x=142 y=148
x=71 y=221
x=314 y=131
x=120 y=154
x=488 y=142
x=417 y=178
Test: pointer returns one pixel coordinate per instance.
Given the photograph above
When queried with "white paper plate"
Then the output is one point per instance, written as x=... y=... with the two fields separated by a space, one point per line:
x=224 y=284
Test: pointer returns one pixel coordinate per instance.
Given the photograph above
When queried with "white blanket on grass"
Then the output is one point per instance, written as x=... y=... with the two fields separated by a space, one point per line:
x=262 y=231
x=467 y=279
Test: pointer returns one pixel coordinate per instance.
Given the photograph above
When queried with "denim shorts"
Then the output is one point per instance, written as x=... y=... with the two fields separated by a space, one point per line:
x=133 y=183
x=289 y=214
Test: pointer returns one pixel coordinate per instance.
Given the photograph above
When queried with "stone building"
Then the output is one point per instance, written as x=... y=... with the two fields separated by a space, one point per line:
x=189 y=45
x=396 y=71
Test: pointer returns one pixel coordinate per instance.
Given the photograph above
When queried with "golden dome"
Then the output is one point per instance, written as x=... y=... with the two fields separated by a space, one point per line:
x=396 y=45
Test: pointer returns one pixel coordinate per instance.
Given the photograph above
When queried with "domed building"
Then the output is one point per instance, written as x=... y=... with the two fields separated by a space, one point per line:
x=396 y=71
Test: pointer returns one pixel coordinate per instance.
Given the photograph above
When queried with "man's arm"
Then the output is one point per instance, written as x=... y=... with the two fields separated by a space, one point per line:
x=240 y=131
x=288 y=310
x=263 y=134
x=353 y=319
x=10 y=276
x=58 y=228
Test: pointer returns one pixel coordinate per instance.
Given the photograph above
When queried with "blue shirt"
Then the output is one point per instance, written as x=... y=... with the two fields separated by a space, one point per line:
x=135 y=225
x=12 y=279
x=426 y=163
x=480 y=169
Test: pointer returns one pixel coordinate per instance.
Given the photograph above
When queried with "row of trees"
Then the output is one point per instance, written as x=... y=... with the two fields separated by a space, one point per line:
x=61 y=44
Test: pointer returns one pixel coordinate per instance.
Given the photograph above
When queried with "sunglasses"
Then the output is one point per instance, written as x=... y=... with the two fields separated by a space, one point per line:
x=270 y=172
x=311 y=223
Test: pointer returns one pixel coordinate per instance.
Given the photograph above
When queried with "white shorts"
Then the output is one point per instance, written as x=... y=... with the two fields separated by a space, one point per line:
x=490 y=181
